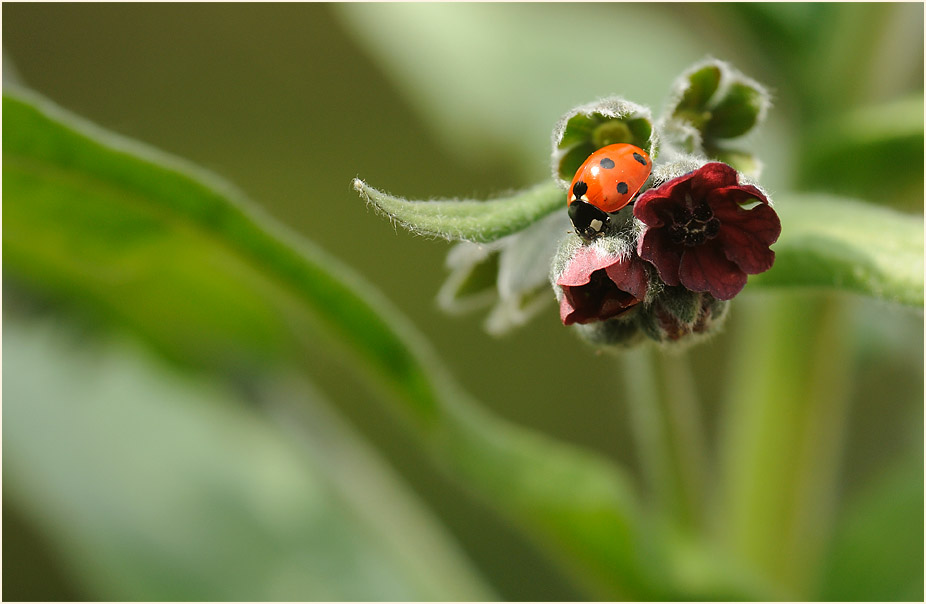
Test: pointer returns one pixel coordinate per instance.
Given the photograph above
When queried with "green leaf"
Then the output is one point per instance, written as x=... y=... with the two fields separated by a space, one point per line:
x=155 y=486
x=875 y=152
x=143 y=241
x=828 y=242
x=469 y=220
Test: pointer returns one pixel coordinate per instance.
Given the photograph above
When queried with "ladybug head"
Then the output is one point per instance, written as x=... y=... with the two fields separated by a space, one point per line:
x=589 y=221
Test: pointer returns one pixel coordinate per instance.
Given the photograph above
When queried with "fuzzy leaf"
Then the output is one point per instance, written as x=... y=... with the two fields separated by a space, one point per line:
x=467 y=220
x=844 y=244
x=145 y=242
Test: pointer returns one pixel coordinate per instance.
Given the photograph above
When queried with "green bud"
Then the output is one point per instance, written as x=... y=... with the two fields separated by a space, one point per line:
x=717 y=101
x=584 y=129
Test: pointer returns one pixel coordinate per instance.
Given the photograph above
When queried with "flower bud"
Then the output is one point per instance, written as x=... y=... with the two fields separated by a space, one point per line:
x=719 y=101
x=678 y=313
x=587 y=128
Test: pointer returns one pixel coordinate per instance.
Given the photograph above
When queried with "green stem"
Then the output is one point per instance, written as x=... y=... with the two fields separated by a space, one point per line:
x=665 y=414
x=783 y=438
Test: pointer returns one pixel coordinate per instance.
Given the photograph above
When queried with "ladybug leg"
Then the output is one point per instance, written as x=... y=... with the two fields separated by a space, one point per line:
x=588 y=220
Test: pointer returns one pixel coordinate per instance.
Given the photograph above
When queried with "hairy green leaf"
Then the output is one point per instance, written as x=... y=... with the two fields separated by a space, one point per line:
x=829 y=242
x=469 y=220
x=146 y=242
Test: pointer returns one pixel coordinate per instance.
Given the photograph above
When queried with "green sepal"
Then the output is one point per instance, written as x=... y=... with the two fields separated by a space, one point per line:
x=471 y=284
x=702 y=84
x=589 y=127
x=467 y=220
x=737 y=113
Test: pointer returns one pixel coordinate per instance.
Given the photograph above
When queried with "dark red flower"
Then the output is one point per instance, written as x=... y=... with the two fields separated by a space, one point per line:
x=599 y=286
x=706 y=231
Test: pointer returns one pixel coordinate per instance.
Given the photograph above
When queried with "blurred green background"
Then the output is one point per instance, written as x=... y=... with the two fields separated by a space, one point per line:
x=292 y=101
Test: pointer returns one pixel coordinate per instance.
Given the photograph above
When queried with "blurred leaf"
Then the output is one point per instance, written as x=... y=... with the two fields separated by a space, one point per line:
x=477 y=221
x=149 y=243
x=828 y=242
x=875 y=153
x=877 y=552
x=157 y=487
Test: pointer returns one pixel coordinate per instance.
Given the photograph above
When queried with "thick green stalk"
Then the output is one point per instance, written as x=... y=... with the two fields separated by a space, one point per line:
x=665 y=414
x=783 y=436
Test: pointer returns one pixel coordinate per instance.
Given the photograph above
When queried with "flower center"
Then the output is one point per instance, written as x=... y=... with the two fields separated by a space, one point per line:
x=693 y=227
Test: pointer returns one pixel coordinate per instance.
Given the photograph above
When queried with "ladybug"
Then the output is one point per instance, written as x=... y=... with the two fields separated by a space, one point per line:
x=604 y=184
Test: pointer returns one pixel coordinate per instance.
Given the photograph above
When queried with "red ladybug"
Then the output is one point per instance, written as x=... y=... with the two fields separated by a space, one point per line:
x=604 y=184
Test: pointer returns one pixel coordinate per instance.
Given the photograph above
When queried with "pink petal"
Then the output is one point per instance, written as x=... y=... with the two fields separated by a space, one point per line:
x=565 y=309
x=586 y=260
x=706 y=269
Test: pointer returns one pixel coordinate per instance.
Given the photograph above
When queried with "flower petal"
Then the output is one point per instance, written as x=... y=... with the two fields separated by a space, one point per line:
x=706 y=269
x=656 y=248
x=746 y=234
x=585 y=261
x=629 y=274
x=566 y=308
x=709 y=177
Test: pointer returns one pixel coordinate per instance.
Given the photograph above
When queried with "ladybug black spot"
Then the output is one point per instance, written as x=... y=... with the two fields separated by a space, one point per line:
x=607 y=163
x=579 y=189
x=639 y=158
x=622 y=188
